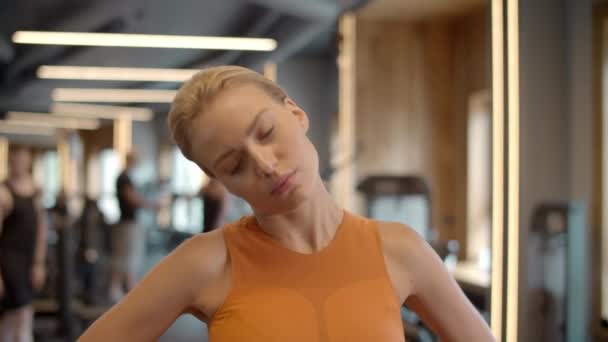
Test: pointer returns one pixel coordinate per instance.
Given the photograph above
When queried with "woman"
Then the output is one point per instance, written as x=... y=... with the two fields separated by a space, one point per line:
x=23 y=232
x=300 y=269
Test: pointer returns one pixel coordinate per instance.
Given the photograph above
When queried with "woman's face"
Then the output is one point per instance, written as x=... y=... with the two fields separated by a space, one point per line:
x=257 y=148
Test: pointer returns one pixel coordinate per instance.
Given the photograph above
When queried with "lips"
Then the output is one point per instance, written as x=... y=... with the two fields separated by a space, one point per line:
x=282 y=184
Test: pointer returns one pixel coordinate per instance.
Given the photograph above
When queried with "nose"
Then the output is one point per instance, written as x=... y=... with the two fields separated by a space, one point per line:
x=264 y=160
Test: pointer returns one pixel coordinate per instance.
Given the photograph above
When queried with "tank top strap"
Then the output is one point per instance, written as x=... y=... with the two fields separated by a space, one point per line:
x=362 y=243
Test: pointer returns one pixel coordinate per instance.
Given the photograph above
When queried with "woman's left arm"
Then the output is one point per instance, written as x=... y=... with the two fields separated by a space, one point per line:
x=420 y=277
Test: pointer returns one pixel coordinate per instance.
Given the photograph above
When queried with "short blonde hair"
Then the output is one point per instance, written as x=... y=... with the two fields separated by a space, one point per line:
x=198 y=92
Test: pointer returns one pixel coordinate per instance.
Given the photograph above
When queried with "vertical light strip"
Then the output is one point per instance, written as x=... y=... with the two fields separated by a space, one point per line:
x=3 y=158
x=498 y=155
x=270 y=71
x=513 y=294
x=604 y=176
x=122 y=137
x=63 y=150
x=346 y=115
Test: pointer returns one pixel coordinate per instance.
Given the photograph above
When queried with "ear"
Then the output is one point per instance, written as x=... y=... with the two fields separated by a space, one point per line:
x=298 y=112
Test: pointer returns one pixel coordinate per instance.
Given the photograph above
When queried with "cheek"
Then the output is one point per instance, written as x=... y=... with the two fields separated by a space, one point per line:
x=293 y=145
x=246 y=188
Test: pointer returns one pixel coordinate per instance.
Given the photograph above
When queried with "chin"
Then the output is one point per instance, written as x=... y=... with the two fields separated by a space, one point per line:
x=278 y=205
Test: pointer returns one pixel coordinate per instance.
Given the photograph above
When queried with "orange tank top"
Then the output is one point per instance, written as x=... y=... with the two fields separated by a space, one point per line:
x=341 y=293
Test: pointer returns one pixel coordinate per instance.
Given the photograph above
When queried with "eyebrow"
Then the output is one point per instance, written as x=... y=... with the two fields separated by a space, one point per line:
x=248 y=132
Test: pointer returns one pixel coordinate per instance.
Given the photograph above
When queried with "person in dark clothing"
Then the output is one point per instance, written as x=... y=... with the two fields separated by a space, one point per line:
x=23 y=242
x=215 y=205
x=128 y=238
x=63 y=223
x=90 y=242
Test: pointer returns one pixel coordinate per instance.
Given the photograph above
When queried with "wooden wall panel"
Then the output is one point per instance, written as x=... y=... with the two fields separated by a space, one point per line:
x=392 y=105
x=412 y=93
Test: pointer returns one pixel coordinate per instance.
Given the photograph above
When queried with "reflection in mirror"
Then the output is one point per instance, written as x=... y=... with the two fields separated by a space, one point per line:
x=555 y=166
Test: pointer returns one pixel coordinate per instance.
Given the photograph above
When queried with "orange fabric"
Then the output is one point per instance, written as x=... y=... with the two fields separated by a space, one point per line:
x=341 y=293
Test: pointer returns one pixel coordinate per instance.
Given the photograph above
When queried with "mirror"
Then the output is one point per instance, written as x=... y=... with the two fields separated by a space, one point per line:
x=551 y=106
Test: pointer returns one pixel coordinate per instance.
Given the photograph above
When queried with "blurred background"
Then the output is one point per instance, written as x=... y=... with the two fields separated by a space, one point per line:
x=480 y=123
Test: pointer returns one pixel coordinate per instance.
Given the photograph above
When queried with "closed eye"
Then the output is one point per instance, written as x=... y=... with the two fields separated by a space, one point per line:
x=268 y=133
x=237 y=168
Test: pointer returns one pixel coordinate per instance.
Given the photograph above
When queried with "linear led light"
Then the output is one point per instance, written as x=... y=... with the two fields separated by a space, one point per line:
x=498 y=175
x=77 y=110
x=52 y=121
x=115 y=74
x=113 y=95
x=6 y=128
x=513 y=194
x=144 y=41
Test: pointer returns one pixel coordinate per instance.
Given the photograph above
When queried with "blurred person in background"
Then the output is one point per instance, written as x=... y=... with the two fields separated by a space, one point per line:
x=128 y=237
x=301 y=268
x=23 y=247
x=215 y=205
x=90 y=242
x=63 y=222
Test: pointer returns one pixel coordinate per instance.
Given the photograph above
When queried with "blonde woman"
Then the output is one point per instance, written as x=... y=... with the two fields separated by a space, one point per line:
x=301 y=268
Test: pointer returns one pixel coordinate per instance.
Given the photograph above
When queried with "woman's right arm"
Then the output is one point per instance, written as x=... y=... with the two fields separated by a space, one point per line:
x=160 y=298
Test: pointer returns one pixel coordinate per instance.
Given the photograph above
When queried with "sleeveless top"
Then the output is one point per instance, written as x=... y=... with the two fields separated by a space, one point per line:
x=341 y=293
x=20 y=225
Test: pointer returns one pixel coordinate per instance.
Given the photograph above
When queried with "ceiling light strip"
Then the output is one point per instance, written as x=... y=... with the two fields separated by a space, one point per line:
x=78 y=110
x=113 y=95
x=115 y=74
x=144 y=41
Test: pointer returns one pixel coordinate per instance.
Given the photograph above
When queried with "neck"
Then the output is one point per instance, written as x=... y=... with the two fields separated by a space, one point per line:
x=308 y=228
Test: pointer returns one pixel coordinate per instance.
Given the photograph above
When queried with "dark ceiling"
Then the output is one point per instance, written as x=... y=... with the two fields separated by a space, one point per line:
x=301 y=27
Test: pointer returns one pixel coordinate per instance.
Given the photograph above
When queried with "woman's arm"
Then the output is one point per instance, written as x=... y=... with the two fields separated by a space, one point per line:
x=165 y=293
x=41 y=232
x=430 y=290
x=40 y=247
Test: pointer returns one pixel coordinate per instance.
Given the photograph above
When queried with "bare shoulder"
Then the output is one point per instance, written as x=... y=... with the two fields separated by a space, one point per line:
x=207 y=259
x=407 y=256
x=401 y=241
x=204 y=254
x=417 y=271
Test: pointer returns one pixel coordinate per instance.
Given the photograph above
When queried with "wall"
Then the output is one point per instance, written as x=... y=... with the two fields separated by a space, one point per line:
x=413 y=86
x=556 y=135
